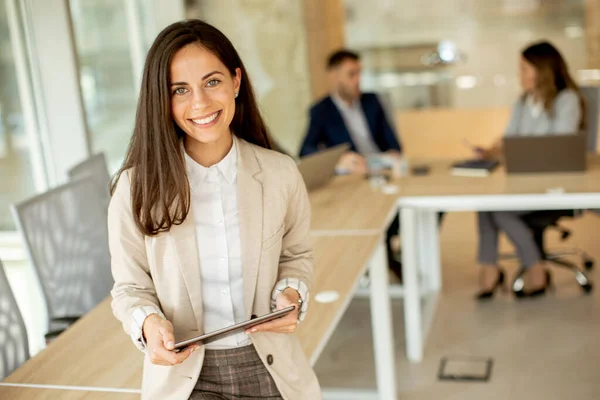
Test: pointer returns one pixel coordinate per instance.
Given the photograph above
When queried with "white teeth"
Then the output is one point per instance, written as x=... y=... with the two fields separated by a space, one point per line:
x=206 y=120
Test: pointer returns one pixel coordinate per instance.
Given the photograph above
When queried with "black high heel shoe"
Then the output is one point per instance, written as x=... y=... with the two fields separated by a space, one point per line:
x=488 y=294
x=521 y=294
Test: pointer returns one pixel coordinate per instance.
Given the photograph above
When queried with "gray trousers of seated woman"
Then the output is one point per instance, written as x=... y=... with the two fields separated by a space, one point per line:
x=491 y=223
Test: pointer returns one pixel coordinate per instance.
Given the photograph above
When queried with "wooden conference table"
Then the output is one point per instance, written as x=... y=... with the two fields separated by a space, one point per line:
x=349 y=205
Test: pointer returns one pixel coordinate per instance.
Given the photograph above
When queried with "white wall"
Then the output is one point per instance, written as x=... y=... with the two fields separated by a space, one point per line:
x=270 y=37
x=490 y=32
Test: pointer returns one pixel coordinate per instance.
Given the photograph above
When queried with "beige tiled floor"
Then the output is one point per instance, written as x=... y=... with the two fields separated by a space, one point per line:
x=548 y=348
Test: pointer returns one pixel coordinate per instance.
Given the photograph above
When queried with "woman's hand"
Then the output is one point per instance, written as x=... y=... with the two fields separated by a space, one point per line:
x=480 y=153
x=494 y=151
x=287 y=324
x=160 y=342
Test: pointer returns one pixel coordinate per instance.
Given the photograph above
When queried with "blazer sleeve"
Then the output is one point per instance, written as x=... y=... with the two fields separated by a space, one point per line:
x=296 y=260
x=133 y=286
x=315 y=135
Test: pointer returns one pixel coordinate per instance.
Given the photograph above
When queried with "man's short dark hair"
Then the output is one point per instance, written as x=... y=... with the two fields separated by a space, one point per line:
x=338 y=57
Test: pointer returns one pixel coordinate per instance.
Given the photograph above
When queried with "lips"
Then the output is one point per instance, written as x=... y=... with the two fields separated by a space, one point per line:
x=206 y=119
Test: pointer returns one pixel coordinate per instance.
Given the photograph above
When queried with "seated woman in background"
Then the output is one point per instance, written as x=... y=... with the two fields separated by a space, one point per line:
x=551 y=104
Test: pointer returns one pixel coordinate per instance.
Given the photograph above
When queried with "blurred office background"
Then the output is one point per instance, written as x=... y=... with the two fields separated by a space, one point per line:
x=69 y=73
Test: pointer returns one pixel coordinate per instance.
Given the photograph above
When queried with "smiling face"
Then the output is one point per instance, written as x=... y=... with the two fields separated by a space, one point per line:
x=203 y=96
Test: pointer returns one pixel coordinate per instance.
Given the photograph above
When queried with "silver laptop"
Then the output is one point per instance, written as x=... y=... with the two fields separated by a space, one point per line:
x=549 y=153
x=318 y=168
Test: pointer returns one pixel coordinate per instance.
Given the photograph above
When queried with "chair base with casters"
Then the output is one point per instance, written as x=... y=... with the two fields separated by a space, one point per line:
x=538 y=222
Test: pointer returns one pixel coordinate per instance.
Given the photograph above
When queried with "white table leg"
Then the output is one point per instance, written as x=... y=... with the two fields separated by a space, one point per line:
x=381 y=322
x=421 y=238
x=429 y=249
x=412 y=303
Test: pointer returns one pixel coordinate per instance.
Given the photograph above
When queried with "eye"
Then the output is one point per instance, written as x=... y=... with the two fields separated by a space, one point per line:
x=213 y=82
x=180 y=91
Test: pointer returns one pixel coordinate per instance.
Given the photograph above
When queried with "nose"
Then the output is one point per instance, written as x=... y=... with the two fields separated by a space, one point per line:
x=200 y=99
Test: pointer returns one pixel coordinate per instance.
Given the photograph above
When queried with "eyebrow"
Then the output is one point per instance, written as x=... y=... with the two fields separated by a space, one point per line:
x=203 y=78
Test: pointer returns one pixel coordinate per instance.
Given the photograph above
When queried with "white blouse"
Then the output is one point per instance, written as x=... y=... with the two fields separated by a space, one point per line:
x=214 y=198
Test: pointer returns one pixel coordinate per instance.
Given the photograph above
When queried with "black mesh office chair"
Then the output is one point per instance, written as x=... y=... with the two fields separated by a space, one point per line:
x=540 y=221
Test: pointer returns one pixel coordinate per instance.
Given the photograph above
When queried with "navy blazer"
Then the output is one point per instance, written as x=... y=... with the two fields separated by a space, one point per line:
x=327 y=128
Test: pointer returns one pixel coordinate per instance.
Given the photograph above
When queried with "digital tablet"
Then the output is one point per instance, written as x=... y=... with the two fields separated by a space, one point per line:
x=233 y=329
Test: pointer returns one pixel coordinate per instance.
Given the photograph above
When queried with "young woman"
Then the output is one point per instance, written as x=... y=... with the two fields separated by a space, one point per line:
x=209 y=227
x=551 y=104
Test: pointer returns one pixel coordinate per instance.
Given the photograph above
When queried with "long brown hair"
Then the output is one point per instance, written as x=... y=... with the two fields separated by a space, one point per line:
x=160 y=192
x=552 y=75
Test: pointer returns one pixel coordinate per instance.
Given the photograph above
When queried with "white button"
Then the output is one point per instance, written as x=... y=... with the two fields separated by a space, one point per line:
x=224 y=292
x=219 y=222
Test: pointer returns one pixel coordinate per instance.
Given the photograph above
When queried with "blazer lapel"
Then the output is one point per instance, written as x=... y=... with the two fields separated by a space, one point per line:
x=184 y=240
x=250 y=208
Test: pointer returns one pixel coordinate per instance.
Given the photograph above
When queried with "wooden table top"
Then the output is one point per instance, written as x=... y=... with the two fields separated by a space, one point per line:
x=349 y=203
x=28 y=393
x=440 y=181
x=95 y=351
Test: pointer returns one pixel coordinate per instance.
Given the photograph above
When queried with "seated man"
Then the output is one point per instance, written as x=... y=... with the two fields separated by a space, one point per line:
x=349 y=116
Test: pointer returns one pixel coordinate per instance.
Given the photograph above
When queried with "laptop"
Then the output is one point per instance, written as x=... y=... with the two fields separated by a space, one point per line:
x=318 y=168
x=551 y=153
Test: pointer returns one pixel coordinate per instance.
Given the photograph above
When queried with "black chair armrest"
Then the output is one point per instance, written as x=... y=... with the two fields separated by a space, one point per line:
x=50 y=336
x=59 y=325
x=65 y=320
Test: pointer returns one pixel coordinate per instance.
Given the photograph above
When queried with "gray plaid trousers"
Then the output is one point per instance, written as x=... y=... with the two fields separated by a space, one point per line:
x=234 y=374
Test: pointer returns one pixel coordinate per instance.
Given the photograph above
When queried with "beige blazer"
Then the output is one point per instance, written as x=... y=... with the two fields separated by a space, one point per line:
x=164 y=271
